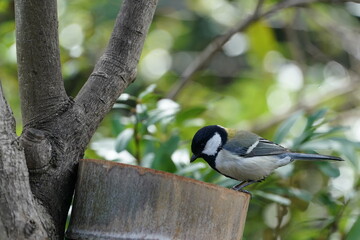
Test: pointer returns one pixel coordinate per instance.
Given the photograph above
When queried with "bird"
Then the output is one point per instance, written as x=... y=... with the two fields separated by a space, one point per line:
x=243 y=155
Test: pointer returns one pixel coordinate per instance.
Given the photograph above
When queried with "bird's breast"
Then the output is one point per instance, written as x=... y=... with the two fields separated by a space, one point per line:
x=242 y=169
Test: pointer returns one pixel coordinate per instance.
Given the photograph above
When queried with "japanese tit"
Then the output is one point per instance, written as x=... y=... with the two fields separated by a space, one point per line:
x=243 y=155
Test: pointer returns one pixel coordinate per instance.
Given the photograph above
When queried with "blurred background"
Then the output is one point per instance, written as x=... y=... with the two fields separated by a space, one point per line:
x=291 y=75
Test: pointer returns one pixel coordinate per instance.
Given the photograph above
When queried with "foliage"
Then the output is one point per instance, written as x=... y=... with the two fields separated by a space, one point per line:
x=291 y=78
x=154 y=132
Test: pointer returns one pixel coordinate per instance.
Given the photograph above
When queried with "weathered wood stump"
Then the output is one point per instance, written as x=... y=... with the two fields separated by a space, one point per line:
x=119 y=201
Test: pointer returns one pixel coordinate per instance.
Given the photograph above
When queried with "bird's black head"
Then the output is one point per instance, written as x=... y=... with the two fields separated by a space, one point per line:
x=207 y=142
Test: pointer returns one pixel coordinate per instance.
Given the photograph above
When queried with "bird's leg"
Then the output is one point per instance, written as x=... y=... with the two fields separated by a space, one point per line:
x=240 y=185
x=243 y=184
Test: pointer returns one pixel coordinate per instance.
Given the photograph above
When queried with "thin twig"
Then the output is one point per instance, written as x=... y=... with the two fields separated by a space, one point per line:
x=281 y=213
x=137 y=138
x=204 y=57
x=210 y=51
x=258 y=8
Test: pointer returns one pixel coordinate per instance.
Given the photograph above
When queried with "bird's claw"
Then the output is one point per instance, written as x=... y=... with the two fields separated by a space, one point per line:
x=242 y=190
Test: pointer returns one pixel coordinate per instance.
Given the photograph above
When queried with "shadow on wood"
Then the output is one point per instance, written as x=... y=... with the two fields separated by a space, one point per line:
x=119 y=201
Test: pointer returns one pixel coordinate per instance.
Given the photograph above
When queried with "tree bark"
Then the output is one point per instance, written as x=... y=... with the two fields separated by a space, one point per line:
x=21 y=216
x=42 y=89
x=38 y=170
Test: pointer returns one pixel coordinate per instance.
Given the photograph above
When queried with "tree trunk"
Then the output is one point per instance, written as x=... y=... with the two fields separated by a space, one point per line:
x=38 y=170
x=21 y=215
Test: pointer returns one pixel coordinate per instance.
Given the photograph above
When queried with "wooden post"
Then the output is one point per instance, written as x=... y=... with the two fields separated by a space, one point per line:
x=119 y=201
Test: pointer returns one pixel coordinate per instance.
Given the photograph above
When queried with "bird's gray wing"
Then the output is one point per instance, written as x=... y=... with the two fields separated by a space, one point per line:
x=235 y=148
x=260 y=147
x=265 y=148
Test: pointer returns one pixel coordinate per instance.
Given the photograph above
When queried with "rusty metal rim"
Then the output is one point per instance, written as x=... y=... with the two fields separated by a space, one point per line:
x=143 y=170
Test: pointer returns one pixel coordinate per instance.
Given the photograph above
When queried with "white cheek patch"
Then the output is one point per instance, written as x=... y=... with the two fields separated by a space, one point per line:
x=212 y=145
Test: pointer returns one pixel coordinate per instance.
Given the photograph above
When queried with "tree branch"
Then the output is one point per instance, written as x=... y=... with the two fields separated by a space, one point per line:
x=41 y=85
x=212 y=48
x=7 y=121
x=208 y=53
x=116 y=69
x=20 y=215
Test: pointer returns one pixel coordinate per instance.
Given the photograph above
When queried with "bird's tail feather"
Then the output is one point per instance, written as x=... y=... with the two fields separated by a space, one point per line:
x=313 y=157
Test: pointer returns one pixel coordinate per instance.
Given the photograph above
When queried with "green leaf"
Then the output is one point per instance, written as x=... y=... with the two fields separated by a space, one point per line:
x=147 y=160
x=225 y=182
x=315 y=117
x=301 y=194
x=116 y=125
x=328 y=169
x=286 y=126
x=158 y=115
x=341 y=145
x=349 y=152
x=123 y=139
x=122 y=106
x=333 y=130
x=163 y=154
x=309 y=131
x=125 y=97
x=273 y=197
x=190 y=113
x=191 y=168
x=147 y=91
x=354 y=232
x=262 y=39
x=345 y=141
x=212 y=176
x=164 y=112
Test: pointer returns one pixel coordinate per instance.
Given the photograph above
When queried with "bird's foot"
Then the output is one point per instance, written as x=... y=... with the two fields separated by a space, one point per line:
x=243 y=184
x=241 y=190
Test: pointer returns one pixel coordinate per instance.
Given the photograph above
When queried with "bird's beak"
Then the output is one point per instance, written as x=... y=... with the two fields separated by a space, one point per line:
x=193 y=158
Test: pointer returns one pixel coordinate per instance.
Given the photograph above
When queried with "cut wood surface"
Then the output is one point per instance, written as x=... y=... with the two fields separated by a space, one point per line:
x=119 y=201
